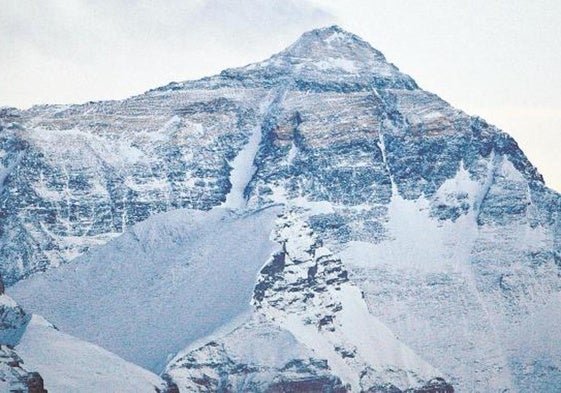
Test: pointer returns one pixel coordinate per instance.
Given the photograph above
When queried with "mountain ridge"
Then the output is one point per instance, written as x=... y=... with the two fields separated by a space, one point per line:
x=428 y=225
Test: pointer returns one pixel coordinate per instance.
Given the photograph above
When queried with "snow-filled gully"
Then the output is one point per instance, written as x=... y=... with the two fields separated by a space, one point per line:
x=243 y=167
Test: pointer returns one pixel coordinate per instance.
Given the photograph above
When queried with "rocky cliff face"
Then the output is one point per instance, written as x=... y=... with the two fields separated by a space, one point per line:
x=429 y=224
x=14 y=374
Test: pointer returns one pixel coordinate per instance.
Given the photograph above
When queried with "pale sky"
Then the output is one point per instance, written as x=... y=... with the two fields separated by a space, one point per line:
x=497 y=59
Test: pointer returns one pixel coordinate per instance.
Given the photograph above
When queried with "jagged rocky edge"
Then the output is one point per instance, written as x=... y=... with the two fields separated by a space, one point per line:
x=296 y=297
x=14 y=376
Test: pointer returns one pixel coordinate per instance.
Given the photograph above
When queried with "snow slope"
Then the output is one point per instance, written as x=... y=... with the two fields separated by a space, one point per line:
x=458 y=287
x=33 y=352
x=68 y=364
x=166 y=282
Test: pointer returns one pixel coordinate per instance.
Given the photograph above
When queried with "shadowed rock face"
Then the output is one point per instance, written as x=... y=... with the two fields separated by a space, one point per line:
x=35 y=383
x=321 y=385
x=14 y=375
x=441 y=221
x=13 y=321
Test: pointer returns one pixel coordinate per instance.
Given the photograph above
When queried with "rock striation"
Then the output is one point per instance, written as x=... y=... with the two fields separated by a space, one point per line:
x=426 y=227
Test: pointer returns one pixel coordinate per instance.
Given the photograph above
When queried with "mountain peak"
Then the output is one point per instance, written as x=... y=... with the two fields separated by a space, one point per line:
x=330 y=29
x=332 y=41
x=329 y=55
x=327 y=34
x=332 y=36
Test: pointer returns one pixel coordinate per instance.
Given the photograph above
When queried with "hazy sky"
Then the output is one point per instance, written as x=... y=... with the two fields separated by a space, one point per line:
x=497 y=59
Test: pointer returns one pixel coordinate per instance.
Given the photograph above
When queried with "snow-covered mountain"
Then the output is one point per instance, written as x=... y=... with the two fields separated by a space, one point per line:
x=348 y=231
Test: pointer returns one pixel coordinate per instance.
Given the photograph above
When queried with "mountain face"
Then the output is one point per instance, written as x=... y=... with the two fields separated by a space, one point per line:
x=379 y=239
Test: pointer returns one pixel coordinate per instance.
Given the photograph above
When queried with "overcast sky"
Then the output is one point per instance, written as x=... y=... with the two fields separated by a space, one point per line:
x=497 y=59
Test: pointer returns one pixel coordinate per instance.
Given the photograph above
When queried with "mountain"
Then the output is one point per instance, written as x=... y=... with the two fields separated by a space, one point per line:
x=313 y=222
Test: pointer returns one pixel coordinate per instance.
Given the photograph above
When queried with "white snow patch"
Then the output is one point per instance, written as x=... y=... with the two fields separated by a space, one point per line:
x=292 y=153
x=432 y=115
x=336 y=36
x=331 y=63
x=419 y=241
x=170 y=126
x=507 y=170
